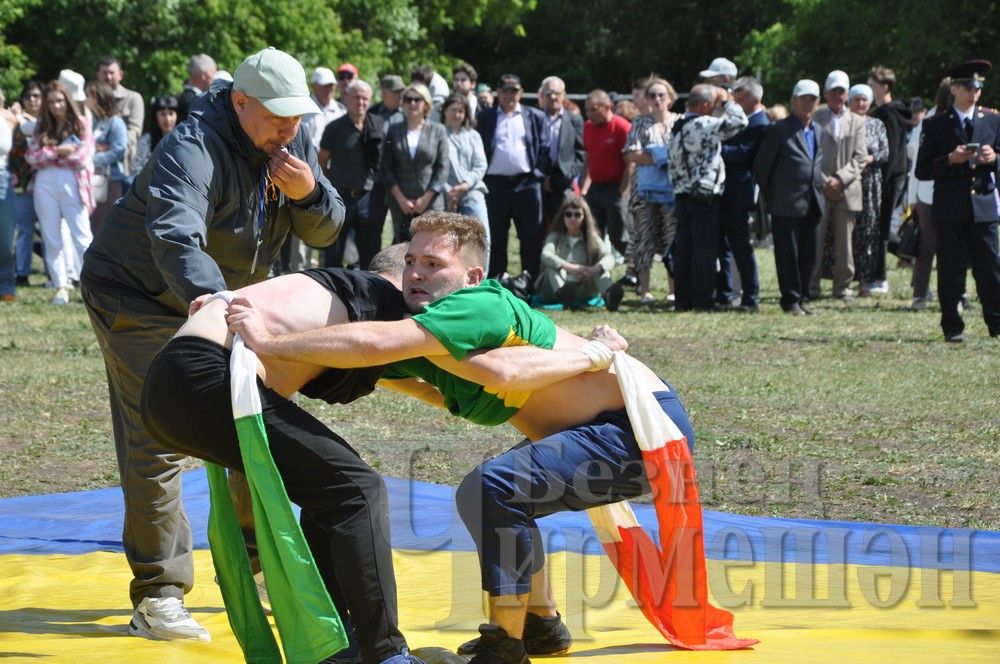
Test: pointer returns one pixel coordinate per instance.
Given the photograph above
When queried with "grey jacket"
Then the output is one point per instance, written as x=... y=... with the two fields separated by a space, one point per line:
x=427 y=170
x=786 y=175
x=188 y=225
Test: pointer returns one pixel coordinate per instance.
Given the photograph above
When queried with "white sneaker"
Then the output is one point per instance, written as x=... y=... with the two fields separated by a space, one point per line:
x=61 y=298
x=878 y=287
x=165 y=619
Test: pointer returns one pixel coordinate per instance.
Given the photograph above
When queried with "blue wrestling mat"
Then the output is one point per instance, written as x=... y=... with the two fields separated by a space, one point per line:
x=808 y=589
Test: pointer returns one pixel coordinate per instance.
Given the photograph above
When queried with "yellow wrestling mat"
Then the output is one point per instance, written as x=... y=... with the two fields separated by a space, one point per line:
x=74 y=608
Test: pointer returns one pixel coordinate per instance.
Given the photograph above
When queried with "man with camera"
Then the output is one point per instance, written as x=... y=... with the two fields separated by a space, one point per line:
x=698 y=175
x=958 y=151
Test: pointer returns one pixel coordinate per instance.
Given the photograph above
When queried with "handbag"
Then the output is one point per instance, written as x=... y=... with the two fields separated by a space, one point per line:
x=99 y=187
x=909 y=240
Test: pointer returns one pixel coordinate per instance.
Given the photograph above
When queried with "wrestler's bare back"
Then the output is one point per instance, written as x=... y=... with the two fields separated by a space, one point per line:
x=289 y=303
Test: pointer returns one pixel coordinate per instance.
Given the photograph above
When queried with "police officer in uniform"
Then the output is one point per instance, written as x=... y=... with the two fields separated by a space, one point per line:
x=958 y=151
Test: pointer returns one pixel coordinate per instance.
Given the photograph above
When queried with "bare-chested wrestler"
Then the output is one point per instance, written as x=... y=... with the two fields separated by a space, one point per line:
x=186 y=406
x=581 y=451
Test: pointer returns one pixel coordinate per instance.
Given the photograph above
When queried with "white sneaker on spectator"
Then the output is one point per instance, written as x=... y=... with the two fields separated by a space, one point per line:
x=878 y=287
x=165 y=619
x=61 y=298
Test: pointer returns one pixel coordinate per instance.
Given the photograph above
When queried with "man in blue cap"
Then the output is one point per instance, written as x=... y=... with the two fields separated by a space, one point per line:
x=208 y=212
x=958 y=151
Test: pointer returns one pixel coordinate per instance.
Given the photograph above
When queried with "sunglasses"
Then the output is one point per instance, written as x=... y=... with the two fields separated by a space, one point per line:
x=412 y=100
x=345 y=76
x=656 y=95
x=573 y=214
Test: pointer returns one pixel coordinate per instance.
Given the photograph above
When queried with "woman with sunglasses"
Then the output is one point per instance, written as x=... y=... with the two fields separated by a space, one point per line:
x=646 y=146
x=415 y=162
x=576 y=260
x=467 y=162
x=62 y=150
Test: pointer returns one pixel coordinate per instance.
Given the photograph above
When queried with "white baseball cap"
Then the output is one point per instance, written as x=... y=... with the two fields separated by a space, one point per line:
x=277 y=80
x=323 y=76
x=74 y=84
x=806 y=87
x=720 y=67
x=837 y=79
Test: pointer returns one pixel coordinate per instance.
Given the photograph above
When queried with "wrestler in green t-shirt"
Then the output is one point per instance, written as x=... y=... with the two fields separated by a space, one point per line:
x=483 y=316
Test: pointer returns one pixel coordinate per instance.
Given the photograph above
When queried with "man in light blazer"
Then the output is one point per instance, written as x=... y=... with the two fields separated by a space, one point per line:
x=788 y=171
x=518 y=156
x=564 y=138
x=845 y=153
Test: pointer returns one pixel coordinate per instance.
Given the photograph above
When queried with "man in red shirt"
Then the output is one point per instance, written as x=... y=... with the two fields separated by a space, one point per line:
x=606 y=183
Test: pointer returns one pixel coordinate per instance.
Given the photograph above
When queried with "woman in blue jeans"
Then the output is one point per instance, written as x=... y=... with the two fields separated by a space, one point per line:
x=467 y=162
x=7 y=124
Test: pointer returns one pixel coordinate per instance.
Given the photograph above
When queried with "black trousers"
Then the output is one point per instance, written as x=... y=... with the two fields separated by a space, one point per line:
x=517 y=198
x=892 y=197
x=734 y=240
x=362 y=216
x=794 y=254
x=696 y=247
x=186 y=406
x=608 y=206
x=955 y=241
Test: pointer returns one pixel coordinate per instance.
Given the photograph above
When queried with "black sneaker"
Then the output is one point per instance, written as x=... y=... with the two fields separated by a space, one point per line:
x=612 y=300
x=22 y=282
x=542 y=636
x=494 y=647
x=629 y=280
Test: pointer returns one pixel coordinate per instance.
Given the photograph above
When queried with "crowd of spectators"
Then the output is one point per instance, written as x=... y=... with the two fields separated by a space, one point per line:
x=647 y=181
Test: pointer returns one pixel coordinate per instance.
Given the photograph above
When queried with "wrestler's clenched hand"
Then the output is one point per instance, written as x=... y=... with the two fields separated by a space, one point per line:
x=246 y=320
x=609 y=337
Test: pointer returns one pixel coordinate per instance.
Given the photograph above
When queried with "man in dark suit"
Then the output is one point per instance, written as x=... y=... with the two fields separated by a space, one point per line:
x=958 y=151
x=738 y=198
x=201 y=72
x=564 y=136
x=788 y=170
x=517 y=151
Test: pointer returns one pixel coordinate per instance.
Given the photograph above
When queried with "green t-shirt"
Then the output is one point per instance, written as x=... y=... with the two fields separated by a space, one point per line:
x=483 y=316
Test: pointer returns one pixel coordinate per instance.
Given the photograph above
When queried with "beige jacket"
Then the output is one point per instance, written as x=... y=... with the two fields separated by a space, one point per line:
x=845 y=158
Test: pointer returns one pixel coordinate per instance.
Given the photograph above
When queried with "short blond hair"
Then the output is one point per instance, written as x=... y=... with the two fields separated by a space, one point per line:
x=465 y=232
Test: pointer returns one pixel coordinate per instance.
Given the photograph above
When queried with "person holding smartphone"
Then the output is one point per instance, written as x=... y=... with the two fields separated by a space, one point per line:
x=61 y=151
x=958 y=152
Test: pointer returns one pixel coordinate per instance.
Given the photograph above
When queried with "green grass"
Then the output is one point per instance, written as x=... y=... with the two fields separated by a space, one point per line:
x=860 y=412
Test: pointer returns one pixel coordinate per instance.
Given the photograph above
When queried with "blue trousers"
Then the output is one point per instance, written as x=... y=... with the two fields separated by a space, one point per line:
x=592 y=464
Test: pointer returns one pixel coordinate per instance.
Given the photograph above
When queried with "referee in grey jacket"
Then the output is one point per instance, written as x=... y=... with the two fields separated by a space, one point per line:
x=208 y=212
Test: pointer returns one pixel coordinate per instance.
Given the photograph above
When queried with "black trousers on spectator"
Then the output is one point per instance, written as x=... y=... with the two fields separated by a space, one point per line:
x=795 y=253
x=362 y=217
x=735 y=236
x=892 y=197
x=186 y=406
x=955 y=241
x=608 y=206
x=517 y=198
x=696 y=247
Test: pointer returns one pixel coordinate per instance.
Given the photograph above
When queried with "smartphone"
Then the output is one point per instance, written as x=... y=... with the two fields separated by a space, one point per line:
x=72 y=139
x=972 y=147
